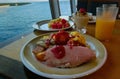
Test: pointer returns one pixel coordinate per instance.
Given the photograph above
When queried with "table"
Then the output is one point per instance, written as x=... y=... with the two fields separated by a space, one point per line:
x=110 y=70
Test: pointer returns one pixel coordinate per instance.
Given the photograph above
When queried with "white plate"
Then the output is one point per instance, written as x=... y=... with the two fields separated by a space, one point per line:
x=43 y=26
x=93 y=20
x=35 y=66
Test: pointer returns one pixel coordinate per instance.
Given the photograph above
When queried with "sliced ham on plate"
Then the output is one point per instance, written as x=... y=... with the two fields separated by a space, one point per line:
x=72 y=57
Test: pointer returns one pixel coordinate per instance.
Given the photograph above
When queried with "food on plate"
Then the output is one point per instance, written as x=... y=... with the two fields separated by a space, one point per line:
x=90 y=15
x=61 y=37
x=66 y=56
x=58 y=23
x=63 y=49
x=91 y=18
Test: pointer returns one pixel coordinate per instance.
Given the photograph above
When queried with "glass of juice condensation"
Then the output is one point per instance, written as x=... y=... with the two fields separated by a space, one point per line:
x=105 y=22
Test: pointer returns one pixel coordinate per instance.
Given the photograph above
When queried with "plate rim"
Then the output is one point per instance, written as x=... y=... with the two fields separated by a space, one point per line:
x=25 y=62
x=36 y=25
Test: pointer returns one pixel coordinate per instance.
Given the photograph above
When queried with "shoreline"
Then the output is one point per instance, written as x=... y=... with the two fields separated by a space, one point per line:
x=13 y=4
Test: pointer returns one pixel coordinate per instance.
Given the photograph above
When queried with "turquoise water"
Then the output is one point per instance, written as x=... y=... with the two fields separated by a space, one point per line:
x=16 y=21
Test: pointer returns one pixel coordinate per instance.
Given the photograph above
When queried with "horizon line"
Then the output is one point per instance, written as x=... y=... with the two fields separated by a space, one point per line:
x=20 y=1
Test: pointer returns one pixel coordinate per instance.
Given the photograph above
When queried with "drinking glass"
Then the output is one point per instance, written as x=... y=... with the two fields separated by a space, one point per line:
x=80 y=23
x=105 y=22
x=109 y=5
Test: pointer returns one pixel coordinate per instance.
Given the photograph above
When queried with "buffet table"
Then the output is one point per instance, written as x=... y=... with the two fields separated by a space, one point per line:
x=10 y=57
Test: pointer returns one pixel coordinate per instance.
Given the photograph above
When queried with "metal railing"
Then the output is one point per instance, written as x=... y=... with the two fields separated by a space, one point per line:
x=55 y=8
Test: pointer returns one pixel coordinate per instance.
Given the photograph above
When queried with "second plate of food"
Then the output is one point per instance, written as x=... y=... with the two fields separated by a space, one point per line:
x=44 y=26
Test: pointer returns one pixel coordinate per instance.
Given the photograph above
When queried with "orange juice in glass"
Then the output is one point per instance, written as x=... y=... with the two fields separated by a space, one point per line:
x=105 y=22
x=104 y=29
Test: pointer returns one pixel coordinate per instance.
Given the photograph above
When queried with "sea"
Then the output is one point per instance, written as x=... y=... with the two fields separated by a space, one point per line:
x=17 y=21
